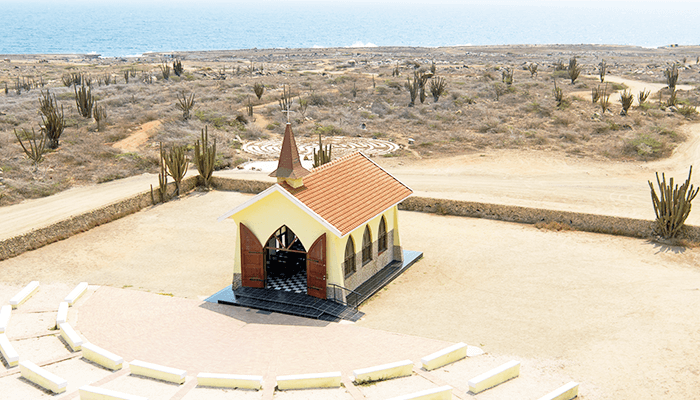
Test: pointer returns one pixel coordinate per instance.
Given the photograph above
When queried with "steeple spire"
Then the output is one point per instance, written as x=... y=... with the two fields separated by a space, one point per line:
x=289 y=168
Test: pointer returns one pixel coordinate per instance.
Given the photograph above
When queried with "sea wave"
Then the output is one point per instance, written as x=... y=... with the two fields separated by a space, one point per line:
x=360 y=44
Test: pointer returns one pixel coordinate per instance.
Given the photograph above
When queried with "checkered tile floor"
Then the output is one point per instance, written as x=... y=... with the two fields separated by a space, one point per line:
x=296 y=283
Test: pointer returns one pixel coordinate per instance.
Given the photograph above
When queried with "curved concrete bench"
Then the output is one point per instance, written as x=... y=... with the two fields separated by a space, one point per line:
x=439 y=393
x=70 y=336
x=24 y=294
x=62 y=314
x=75 y=294
x=98 y=393
x=566 y=392
x=156 y=371
x=42 y=377
x=445 y=356
x=102 y=357
x=309 y=381
x=384 y=372
x=230 y=381
x=494 y=377
x=5 y=314
x=8 y=352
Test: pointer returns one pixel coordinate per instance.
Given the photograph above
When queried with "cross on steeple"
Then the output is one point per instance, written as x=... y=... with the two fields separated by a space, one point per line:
x=287 y=111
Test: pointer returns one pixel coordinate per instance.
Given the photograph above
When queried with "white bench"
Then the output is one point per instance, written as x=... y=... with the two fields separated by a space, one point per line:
x=230 y=381
x=566 y=392
x=308 y=381
x=62 y=314
x=101 y=356
x=70 y=336
x=156 y=371
x=445 y=356
x=494 y=377
x=439 y=393
x=42 y=377
x=24 y=294
x=98 y=393
x=75 y=294
x=5 y=313
x=8 y=352
x=384 y=372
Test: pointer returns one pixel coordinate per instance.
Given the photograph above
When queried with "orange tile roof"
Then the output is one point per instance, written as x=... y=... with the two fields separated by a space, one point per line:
x=349 y=191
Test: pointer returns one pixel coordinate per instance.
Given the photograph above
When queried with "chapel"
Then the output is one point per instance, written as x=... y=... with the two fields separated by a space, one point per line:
x=318 y=231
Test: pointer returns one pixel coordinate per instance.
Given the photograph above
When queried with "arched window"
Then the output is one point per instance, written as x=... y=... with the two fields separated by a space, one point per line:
x=381 y=238
x=349 y=257
x=366 y=246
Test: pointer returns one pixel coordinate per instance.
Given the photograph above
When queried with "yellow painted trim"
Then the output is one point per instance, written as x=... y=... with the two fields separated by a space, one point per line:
x=384 y=372
x=24 y=294
x=101 y=356
x=70 y=336
x=230 y=381
x=445 y=356
x=494 y=377
x=42 y=377
x=439 y=393
x=566 y=392
x=156 y=371
x=309 y=381
x=97 y=393
x=76 y=293
x=8 y=352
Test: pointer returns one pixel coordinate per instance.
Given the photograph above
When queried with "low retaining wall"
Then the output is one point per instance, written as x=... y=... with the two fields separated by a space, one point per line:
x=631 y=227
x=17 y=245
x=584 y=222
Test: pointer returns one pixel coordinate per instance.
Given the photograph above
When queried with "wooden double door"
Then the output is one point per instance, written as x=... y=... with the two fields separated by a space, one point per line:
x=253 y=271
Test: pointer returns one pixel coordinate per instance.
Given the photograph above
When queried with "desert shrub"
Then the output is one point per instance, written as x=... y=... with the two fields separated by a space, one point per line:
x=687 y=111
x=327 y=130
x=318 y=100
x=645 y=146
x=574 y=70
x=626 y=99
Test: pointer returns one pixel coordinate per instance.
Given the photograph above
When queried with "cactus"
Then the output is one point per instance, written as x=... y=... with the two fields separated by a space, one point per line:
x=532 y=67
x=354 y=90
x=285 y=102
x=162 y=179
x=604 y=100
x=672 y=98
x=671 y=74
x=437 y=87
x=54 y=123
x=259 y=89
x=126 y=76
x=412 y=87
x=574 y=70
x=100 y=115
x=626 y=98
x=303 y=105
x=643 y=96
x=165 y=71
x=84 y=100
x=249 y=108
x=602 y=70
x=176 y=162
x=205 y=157
x=507 y=76
x=36 y=149
x=185 y=104
x=324 y=153
x=177 y=67
x=595 y=94
x=673 y=206
x=558 y=94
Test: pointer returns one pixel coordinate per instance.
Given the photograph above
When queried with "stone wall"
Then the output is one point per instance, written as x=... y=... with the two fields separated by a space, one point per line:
x=379 y=261
x=17 y=245
x=584 y=222
x=631 y=227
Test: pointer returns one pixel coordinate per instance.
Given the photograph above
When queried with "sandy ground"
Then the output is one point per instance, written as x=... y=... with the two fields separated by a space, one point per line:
x=614 y=313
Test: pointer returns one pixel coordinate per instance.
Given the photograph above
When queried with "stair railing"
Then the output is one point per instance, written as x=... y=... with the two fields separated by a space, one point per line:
x=340 y=295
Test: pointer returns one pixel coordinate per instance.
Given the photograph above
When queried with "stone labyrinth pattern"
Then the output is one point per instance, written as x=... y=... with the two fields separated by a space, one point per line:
x=341 y=146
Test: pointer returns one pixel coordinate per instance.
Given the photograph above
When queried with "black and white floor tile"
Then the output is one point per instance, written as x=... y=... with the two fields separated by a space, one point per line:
x=295 y=284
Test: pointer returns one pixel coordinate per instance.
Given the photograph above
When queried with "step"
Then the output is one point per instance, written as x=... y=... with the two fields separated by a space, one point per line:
x=494 y=377
x=253 y=382
x=275 y=307
x=24 y=294
x=331 y=308
x=42 y=377
x=309 y=381
x=159 y=372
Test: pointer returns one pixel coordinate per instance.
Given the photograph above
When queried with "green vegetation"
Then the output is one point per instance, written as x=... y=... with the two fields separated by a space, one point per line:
x=672 y=205
x=84 y=100
x=205 y=157
x=35 y=146
x=259 y=89
x=185 y=104
x=574 y=70
x=323 y=155
x=176 y=162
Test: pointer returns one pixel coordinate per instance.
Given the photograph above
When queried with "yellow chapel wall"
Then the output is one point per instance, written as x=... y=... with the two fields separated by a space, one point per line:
x=268 y=214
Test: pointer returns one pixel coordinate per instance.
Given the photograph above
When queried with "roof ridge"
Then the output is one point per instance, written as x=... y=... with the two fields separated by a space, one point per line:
x=337 y=160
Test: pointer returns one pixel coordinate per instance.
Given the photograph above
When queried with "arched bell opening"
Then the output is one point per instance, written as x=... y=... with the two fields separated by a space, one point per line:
x=285 y=262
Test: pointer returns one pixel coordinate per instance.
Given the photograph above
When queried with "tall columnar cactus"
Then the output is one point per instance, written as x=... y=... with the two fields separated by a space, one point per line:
x=672 y=205
x=324 y=153
x=176 y=162
x=162 y=179
x=205 y=157
x=84 y=100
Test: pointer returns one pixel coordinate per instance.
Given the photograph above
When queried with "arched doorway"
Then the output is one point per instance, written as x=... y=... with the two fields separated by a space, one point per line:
x=285 y=262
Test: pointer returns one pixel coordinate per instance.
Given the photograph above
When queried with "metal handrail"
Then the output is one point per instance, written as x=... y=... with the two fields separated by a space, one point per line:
x=343 y=299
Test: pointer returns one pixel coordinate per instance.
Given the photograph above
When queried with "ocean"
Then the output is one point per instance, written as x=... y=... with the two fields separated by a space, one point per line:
x=124 y=28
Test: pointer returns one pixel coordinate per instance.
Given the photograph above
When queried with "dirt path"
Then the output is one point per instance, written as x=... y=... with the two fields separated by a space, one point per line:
x=138 y=138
